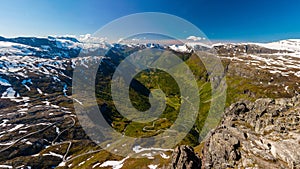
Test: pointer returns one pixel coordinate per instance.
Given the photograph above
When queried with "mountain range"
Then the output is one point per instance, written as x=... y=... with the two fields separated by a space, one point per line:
x=39 y=127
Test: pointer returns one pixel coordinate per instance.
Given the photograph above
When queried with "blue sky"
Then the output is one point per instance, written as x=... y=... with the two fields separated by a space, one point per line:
x=225 y=20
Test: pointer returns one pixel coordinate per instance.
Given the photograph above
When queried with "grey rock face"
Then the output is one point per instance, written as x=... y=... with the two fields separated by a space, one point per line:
x=263 y=134
x=185 y=158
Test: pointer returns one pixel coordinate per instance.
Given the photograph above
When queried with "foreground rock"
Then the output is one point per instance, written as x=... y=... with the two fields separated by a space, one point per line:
x=184 y=157
x=263 y=134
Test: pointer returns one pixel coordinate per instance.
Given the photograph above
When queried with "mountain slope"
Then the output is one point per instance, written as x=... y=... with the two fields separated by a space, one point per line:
x=39 y=128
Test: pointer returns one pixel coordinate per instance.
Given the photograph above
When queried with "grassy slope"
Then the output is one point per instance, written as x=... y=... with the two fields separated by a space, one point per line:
x=238 y=88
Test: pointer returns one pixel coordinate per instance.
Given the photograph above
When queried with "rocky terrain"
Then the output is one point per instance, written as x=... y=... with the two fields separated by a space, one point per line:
x=260 y=134
x=263 y=134
x=39 y=127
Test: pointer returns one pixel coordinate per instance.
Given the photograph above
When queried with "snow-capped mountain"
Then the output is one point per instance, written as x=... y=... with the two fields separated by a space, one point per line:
x=29 y=58
x=292 y=45
x=50 y=47
x=289 y=47
x=280 y=57
x=36 y=83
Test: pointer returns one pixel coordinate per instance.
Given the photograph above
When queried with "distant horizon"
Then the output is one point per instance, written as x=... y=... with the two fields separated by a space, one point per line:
x=211 y=40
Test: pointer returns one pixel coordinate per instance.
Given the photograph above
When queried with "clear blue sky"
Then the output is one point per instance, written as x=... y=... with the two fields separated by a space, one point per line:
x=234 y=20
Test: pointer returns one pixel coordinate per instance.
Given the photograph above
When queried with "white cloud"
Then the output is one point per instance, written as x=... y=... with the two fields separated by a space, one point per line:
x=194 y=38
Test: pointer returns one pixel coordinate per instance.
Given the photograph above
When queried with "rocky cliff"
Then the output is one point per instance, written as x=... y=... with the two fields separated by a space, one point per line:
x=260 y=134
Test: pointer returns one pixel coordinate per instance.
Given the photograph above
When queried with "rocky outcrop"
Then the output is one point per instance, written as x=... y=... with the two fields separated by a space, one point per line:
x=263 y=134
x=260 y=134
x=184 y=157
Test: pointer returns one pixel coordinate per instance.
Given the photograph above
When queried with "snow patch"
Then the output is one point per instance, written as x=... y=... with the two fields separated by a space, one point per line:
x=151 y=166
x=53 y=154
x=180 y=48
x=164 y=156
x=39 y=90
x=62 y=164
x=97 y=164
x=138 y=149
x=16 y=127
x=4 y=82
x=6 y=166
x=114 y=164
x=80 y=164
x=9 y=93
x=24 y=83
